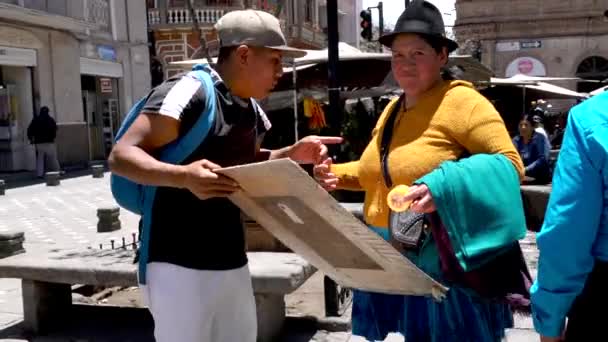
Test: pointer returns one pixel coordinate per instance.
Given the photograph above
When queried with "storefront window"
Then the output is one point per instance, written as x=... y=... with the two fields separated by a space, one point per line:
x=16 y=113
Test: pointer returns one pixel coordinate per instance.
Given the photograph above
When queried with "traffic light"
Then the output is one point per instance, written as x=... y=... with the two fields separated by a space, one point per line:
x=366 y=24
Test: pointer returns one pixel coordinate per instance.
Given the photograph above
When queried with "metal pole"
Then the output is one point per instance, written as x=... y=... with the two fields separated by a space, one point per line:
x=380 y=22
x=334 y=58
x=295 y=101
x=196 y=28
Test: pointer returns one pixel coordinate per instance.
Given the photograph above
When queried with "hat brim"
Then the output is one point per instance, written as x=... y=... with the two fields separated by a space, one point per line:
x=387 y=39
x=289 y=52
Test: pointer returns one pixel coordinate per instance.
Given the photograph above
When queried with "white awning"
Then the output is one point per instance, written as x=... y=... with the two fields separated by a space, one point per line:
x=98 y=67
x=599 y=90
x=17 y=56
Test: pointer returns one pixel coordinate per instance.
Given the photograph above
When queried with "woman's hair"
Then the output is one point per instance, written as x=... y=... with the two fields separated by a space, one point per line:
x=438 y=45
x=528 y=118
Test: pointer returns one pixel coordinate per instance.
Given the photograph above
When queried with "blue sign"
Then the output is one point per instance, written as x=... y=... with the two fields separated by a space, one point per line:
x=106 y=52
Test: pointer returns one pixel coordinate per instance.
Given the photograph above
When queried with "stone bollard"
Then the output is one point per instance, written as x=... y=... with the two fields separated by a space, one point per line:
x=52 y=178
x=2 y=187
x=97 y=171
x=11 y=243
x=108 y=219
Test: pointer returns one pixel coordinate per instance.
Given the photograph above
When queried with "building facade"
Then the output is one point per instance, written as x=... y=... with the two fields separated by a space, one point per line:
x=174 y=38
x=561 y=38
x=87 y=60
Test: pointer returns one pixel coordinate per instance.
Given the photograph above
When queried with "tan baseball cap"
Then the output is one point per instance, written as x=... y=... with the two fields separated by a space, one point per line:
x=254 y=28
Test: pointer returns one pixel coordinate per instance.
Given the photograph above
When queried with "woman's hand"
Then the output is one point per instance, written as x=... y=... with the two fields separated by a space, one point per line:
x=422 y=199
x=324 y=176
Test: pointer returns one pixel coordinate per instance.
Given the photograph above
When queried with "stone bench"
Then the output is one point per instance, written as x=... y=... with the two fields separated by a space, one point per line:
x=535 y=199
x=47 y=279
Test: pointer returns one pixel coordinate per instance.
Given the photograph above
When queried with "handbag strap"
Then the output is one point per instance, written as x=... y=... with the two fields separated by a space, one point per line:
x=385 y=141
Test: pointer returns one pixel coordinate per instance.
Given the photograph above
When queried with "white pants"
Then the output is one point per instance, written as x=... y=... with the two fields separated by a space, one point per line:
x=200 y=306
x=46 y=158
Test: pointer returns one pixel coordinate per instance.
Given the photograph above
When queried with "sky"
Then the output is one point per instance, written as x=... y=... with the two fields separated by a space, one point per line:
x=394 y=8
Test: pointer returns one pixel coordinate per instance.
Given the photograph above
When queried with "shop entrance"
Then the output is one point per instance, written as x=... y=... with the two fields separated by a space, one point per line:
x=101 y=109
x=16 y=113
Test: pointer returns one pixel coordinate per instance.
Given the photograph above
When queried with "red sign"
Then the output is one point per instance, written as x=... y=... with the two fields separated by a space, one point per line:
x=525 y=66
x=105 y=85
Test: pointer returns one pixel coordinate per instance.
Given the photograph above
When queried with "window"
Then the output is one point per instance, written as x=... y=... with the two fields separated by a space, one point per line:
x=211 y=3
x=309 y=11
x=293 y=13
x=591 y=68
x=177 y=3
x=218 y=2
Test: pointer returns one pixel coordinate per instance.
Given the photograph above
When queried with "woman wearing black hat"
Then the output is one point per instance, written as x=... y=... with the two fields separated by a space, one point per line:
x=435 y=121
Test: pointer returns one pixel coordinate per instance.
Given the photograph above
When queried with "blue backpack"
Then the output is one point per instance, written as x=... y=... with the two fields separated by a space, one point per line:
x=138 y=198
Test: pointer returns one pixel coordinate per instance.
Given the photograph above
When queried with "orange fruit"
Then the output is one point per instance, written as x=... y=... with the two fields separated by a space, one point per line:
x=395 y=198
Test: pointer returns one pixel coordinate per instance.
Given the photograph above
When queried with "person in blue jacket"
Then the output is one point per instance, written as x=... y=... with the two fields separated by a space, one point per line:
x=572 y=277
x=533 y=149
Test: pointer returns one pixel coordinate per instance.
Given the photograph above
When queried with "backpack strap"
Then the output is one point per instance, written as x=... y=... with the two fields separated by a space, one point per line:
x=176 y=153
x=179 y=150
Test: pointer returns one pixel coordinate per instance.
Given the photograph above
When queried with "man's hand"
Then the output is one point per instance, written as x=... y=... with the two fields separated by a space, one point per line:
x=311 y=149
x=324 y=176
x=204 y=183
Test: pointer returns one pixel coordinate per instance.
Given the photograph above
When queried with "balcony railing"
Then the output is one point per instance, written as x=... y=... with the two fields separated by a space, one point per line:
x=97 y=12
x=308 y=34
x=180 y=16
x=153 y=16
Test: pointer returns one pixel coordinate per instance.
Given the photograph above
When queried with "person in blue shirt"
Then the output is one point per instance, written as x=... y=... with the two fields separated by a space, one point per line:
x=572 y=276
x=533 y=149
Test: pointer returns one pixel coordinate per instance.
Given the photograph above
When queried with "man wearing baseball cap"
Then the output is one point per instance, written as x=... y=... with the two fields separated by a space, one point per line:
x=197 y=283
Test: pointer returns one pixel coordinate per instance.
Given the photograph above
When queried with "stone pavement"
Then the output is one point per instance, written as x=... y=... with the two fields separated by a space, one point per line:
x=66 y=217
x=63 y=216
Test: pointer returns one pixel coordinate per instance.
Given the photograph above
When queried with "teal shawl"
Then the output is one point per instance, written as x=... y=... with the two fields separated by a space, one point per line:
x=478 y=199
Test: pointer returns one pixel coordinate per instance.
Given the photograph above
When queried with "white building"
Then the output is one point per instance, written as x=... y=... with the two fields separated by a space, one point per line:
x=87 y=60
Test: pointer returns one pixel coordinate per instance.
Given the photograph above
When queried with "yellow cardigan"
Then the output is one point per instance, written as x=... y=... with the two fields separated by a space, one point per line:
x=450 y=118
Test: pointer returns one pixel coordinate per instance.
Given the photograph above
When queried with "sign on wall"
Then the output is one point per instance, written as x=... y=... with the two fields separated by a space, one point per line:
x=529 y=66
x=532 y=44
x=106 y=52
x=105 y=85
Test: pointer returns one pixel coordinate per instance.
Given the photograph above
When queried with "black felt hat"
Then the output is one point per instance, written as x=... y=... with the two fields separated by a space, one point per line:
x=420 y=17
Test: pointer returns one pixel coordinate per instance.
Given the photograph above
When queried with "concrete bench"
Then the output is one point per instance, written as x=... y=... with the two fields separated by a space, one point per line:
x=535 y=199
x=47 y=279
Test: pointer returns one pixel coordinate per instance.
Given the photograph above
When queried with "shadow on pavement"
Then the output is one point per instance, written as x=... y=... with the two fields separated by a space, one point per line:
x=87 y=323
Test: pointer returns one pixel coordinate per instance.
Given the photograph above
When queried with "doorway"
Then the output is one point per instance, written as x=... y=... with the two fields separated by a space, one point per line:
x=101 y=113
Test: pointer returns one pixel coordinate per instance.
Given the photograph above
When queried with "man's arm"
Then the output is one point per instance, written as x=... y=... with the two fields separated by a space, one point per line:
x=308 y=150
x=279 y=153
x=132 y=157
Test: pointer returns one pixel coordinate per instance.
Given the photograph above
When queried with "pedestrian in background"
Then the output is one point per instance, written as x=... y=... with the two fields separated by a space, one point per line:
x=42 y=132
x=533 y=147
x=572 y=279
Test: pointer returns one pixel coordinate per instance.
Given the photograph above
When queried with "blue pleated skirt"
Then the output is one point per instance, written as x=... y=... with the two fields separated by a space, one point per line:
x=460 y=317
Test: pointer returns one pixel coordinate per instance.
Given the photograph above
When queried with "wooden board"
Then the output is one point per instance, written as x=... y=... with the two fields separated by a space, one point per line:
x=286 y=201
